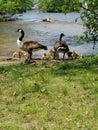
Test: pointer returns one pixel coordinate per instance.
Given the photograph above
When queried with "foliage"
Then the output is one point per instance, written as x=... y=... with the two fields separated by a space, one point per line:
x=14 y=6
x=1 y=17
x=71 y=6
x=89 y=16
x=55 y=96
x=59 y=5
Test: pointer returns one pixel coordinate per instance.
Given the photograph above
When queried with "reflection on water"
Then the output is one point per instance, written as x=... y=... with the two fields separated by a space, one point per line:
x=45 y=33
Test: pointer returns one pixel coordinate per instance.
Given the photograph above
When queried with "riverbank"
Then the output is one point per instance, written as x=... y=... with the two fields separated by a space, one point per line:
x=7 y=61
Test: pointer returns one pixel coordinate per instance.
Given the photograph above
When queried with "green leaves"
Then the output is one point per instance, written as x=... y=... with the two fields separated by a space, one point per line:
x=89 y=16
x=59 y=5
x=14 y=6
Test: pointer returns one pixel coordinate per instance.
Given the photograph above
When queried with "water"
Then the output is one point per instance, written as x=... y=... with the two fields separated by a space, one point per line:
x=45 y=33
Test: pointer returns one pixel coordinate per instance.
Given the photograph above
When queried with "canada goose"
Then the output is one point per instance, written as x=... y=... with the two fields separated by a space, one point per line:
x=61 y=46
x=29 y=45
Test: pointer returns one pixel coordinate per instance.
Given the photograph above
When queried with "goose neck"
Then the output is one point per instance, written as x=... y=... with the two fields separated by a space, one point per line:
x=22 y=36
x=60 y=38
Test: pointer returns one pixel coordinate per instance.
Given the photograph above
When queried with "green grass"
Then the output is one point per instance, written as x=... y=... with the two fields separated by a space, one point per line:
x=56 y=96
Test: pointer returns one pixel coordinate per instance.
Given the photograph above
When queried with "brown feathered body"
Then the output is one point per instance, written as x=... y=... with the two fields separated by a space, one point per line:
x=32 y=45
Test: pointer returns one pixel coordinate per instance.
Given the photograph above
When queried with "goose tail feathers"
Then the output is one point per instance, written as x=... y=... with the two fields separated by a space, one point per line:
x=44 y=47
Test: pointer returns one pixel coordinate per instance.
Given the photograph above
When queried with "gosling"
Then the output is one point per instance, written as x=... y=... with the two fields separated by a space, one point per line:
x=20 y=54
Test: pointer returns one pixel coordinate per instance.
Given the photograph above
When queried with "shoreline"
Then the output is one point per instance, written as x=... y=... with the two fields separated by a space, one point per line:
x=8 y=60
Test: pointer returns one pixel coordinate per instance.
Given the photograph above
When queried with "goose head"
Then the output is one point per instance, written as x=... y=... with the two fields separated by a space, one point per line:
x=22 y=34
x=62 y=34
x=20 y=30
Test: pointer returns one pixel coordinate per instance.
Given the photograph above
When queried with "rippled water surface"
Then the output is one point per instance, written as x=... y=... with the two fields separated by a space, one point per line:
x=45 y=33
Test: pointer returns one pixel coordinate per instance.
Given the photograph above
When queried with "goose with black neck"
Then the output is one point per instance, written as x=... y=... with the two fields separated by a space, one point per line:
x=61 y=46
x=29 y=45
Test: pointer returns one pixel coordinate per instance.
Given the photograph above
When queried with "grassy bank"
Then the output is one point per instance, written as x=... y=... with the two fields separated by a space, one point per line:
x=56 y=96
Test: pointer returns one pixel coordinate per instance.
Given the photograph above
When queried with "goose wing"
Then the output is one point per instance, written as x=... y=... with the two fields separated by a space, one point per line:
x=33 y=45
x=60 y=44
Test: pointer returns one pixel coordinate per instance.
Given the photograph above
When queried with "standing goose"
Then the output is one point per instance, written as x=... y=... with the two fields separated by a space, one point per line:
x=61 y=46
x=29 y=45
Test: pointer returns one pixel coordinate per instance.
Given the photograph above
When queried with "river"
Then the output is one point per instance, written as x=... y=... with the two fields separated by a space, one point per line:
x=44 y=32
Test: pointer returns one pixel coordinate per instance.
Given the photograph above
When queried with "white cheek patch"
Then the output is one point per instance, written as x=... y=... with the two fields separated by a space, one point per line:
x=20 y=30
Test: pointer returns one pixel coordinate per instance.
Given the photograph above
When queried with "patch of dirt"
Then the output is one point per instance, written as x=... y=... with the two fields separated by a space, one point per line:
x=5 y=60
